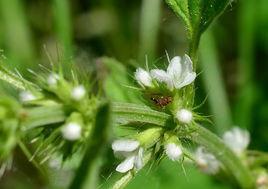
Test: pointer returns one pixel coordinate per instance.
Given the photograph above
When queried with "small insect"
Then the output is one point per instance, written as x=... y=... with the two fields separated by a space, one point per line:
x=160 y=100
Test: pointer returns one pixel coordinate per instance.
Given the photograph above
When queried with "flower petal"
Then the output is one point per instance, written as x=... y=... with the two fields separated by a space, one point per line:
x=175 y=68
x=138 y=159
x=125 y=145
x=162 y=76
x=187 y=73
x=187 y=64
x=126 y=165
x=143 y=77
x=186 y=80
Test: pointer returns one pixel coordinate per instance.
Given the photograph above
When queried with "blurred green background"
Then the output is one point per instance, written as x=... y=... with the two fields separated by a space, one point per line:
x=233 y=68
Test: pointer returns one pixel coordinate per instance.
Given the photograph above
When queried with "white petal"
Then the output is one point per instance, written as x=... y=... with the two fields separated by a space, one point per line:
x=237 y=139
x=187 y=75
x=162 y=76
x=125 y=145
x=143 y=77
x=139 y=159
x=186 y=80
x=126 y=165
x=174 y=68
x=173 y=151
x=187 y=63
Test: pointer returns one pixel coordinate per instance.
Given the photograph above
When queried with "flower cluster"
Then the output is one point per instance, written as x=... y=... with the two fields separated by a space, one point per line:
x=178 y=75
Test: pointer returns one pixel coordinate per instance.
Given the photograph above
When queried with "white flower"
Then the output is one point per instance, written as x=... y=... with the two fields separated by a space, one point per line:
x=184 y=116
x=131 y=151
x=206 y=161
x=52 y=79
x=26 y=96
x=173 y=151
x=143 y=78
x=179 y=73
x=78 y=92
x=237 y=139
x=71 y=131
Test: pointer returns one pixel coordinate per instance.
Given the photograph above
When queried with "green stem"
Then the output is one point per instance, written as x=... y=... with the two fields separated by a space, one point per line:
x=193 y=47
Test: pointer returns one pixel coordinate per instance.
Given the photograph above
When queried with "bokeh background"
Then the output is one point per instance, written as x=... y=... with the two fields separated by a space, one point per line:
x=233 y=69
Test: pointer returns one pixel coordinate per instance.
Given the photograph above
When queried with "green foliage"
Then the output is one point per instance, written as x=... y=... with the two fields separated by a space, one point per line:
x=44 y=118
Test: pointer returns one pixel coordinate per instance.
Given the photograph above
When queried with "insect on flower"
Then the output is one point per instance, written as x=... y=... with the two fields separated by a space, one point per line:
x=161 y=100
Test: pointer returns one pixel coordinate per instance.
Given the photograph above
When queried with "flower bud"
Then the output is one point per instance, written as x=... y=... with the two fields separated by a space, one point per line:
x=52 y=79
x=71 y=131
x=184 y=116
x=206 y=161
x=173 y=151
x=237 y=139
x=78 y=92
x=143 y=78
x=26 y=96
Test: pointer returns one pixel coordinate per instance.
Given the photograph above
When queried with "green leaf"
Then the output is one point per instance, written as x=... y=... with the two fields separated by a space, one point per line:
x=44 y=115
x=126 y=113
x=197 y=14
x=87 y=174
